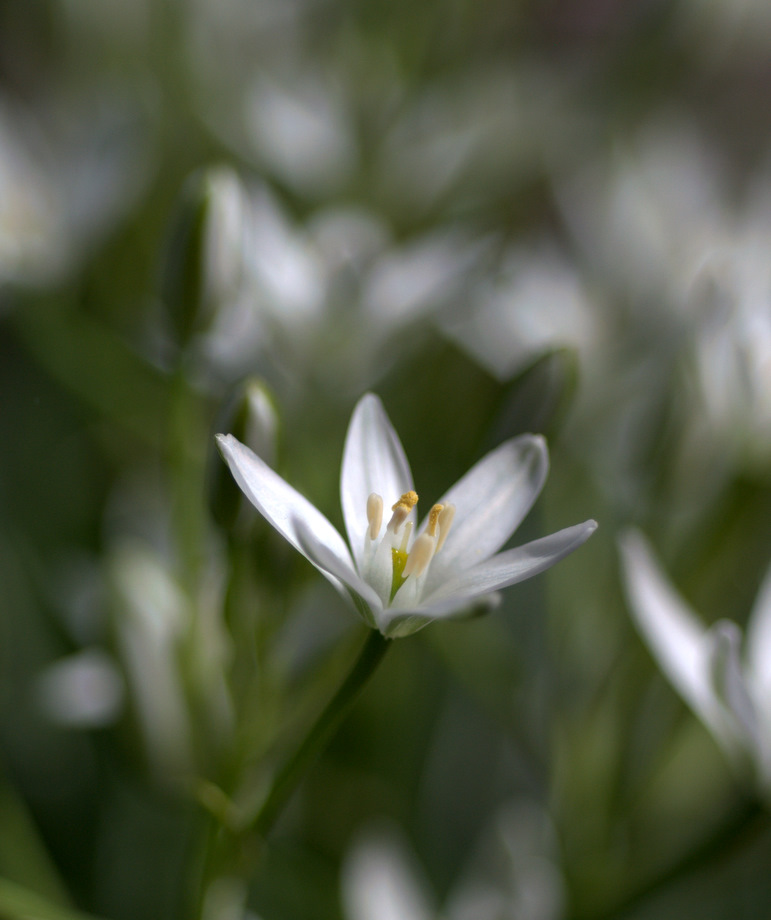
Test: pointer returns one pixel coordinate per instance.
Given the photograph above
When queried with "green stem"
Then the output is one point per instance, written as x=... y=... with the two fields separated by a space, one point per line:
x=186 y=477
x=330 y=718
x=237 y=849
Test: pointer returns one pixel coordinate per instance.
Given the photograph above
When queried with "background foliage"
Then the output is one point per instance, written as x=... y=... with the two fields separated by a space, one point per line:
x=502 y=217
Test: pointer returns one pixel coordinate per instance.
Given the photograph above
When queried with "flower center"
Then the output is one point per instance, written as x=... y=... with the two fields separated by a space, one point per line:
x=392 y=563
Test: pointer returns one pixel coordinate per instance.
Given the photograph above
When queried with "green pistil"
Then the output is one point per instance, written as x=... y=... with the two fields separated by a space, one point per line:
x=399 y=558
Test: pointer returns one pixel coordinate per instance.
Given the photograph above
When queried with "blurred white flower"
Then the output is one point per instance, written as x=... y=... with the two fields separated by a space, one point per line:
x=681 y=257
x=332 y=296
x=174 y=648
x=150 y=625
x=483 y=133
x=223 y=264
x=730 y=300
x=729 y=691
x=397 y=582
x=513 y=875
x=640 y=215
x=66 y=174
x=381 y=880
x=289 y=119
x=301 y=131
x=84 y=690
x=533 y=304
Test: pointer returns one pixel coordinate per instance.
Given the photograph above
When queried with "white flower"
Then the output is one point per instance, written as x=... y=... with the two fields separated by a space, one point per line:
x=513 y=873
x=398 y=581
x=83 y=690
x=68 y=171
x=333 y=296
x=533 y=303
x=730 y=694
x=731 y=346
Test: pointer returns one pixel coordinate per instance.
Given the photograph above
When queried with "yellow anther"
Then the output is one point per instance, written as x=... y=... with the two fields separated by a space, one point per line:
x=445 y=522
x=408 y=501
x=374 y=514
x=401 y=510
x=433 y=519
x=420 y=556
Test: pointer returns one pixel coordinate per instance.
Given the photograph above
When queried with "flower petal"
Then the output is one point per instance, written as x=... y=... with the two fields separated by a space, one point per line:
x=380 y=881
x=396 y=623
x=373 y=461
x=759 y=643
x=680 y=643
x=758 y=653
x=507 y=568
x=282 y=505
x=490 y=500
x=355 y=589
x=729 y=683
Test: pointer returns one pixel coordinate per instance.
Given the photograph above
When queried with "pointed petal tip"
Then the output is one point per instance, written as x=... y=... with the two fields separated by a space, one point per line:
x=539 y=444
x=725 y=633
x=537 y=440
x=581 y=532
x=225 y=444
x=368 y=398
x=225 y=439
x=231 y=449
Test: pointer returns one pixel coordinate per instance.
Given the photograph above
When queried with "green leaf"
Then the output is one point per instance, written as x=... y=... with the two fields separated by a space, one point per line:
x=22 y=854
x=20 y=903
x=98 y=367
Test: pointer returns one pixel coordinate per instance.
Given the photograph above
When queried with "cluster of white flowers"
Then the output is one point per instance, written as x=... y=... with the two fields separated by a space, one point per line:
x=333 y=296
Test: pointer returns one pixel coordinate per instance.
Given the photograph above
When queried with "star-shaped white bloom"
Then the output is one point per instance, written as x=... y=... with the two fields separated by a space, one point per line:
x=730 y=694
x=399 y=576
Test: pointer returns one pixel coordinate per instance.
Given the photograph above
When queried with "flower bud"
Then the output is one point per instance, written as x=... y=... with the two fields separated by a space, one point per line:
x=202 y=262
x=252 y=417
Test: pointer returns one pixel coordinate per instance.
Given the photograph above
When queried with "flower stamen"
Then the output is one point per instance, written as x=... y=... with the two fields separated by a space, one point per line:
x=421 y=554
x=445 y=522
x=433 y=519
x=404 y=560
x=374 y=514
x=401 y=510
x=406 y=533
x=424 y=547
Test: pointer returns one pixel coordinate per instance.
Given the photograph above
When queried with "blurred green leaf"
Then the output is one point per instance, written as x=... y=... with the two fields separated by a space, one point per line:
x=538 y=397
x=23 y=857
x=98 y=367
x=20 y=903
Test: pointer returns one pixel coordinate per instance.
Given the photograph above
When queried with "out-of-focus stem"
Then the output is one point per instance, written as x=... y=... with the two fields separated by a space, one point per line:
x=227 y=850
x=295 y=768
